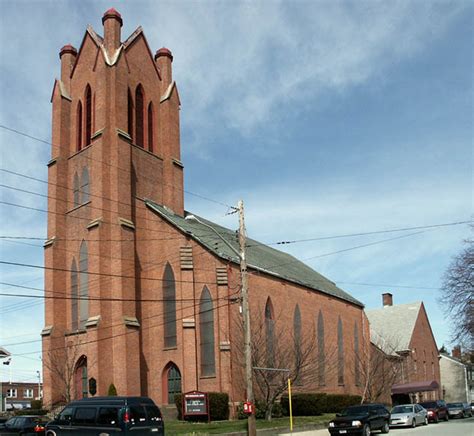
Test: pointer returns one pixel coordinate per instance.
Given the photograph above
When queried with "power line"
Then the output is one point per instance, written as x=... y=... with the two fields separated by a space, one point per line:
x=18 y=132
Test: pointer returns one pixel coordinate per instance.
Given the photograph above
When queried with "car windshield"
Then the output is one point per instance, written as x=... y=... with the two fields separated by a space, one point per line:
x=402 y=409
x=355 y=410
x=429 y=405
x=455 y=405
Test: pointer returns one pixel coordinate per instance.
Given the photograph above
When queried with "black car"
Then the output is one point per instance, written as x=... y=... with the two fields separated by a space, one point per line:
x=136 y=416
x=24 y=425
x=361 y=420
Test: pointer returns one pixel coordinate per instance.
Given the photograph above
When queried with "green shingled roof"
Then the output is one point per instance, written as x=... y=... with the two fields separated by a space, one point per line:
x=260 y=257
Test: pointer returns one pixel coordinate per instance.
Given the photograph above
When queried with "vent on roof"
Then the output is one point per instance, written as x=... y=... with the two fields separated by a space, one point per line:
x=186 y=256
x=221 y=276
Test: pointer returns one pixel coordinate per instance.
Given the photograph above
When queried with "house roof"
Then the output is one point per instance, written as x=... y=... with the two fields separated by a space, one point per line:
x=391 y=327
x=259 y=256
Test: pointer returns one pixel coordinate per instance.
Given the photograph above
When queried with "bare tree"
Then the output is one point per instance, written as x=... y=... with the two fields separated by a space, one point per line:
x=62 y=363
x=457 y=295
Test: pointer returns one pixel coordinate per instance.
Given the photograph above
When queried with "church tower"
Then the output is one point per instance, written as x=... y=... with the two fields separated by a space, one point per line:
x=116 y=141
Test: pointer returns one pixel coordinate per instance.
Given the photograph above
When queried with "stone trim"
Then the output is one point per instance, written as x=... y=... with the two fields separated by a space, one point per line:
x=92 y=321
x=47 y=330
x=221 y=276
x=126 y=223
x=131 y=321
x=94 y=223
x=224 y=346
x=186 y=257
x=97 y=134
x=189 y=323
x=52 y=162
x=124 y=134
x=177 y=162
x=49 y=242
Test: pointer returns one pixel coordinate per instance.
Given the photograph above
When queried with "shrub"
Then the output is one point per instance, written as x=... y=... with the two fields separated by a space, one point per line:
x=112 y=392
x=36 y=404
x=218 y=406
x=310 y=404
x=30 y=412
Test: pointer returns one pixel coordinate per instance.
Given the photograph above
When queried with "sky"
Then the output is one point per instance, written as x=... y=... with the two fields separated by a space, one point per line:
x=325 y=117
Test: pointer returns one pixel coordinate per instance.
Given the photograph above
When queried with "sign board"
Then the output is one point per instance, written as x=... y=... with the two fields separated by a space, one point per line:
x=196 y=403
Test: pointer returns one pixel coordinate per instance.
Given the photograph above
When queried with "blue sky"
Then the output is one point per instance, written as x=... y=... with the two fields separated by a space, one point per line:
x=325 y=117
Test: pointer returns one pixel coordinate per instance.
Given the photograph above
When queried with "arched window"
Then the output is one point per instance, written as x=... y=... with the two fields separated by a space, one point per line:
x=321 y=351
x=206 y=333
x=169 y=307
x=270 y=333
x=85 y=185
x=130 y=114
x=356 y=356
x=150 y=127
x=340 y=353
x=173 y=382
x=80 y=378
x=297 y=334
x=139 y=115
x=88 y=115
x=75 y=191
x=83 y=285
x=74 y=295
x=79 y=125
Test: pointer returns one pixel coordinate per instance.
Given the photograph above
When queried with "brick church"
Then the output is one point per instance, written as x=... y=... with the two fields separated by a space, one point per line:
x=144 y=298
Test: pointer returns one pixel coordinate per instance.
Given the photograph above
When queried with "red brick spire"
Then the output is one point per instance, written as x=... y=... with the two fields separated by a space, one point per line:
x=112 y=13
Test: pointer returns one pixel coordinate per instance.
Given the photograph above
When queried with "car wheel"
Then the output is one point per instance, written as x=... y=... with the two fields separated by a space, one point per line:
x=366 y=430
x=436 y=420
x=446 y=418
x=385 y=428
x=413 y=423
x=425 y=422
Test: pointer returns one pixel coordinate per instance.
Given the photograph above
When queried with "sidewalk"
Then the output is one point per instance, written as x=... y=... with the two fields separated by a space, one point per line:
x=320 y=432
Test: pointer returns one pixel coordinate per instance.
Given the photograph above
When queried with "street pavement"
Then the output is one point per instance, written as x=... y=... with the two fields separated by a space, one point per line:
x=454 y=427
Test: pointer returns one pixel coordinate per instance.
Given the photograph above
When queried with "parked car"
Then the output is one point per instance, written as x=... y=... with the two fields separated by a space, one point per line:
x=456 y=410
x=467 y=409
x=436 y=410
x=361 y=420
x=136 y=416
x=24 y=425
x=408 y=415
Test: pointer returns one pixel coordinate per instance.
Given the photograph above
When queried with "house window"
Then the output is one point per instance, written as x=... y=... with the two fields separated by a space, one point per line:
x=88 y=115
x=79 y=126
x=28 y=393
x=356 y=356
x=206 y=331
x=84 y=185
x=269 y=333
x=321 y=351
x=340 y=353
x=83 y=285
x=74 y=296
x=173 y=382
x=139 y=115
x=150 y=127
x=130 y=114
x=11 y=393
x=80 y=377
x=169 y=307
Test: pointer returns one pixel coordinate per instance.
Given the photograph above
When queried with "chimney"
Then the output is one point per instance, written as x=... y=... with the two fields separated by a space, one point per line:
x=112 y=21
x=68 y=57
x=456 y=353
x=387 y=299
x=163 y=58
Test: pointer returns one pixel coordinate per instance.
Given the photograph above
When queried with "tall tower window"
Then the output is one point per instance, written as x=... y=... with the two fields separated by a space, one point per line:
x=270 y=333
x=169 y=307
x=88 y=115
x=340 y=353
x=83 y=285
x=85 y=185
x=74 y=295
x=139 y=115
x=150 y=127
x=130 y=114
x=297 y=335
x=356 y=356
x=75 y=191
x=321 y=351
x=79 y=125
x=206 y=330
x=173 y=382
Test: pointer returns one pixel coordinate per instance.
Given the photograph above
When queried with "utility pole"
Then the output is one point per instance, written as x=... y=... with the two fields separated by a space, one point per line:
x=251 y=421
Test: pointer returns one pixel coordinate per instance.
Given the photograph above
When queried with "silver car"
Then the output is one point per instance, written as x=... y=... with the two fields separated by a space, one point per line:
x=408 y=415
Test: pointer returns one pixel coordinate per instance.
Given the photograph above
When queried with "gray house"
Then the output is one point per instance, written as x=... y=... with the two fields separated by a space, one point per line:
x=454 y=379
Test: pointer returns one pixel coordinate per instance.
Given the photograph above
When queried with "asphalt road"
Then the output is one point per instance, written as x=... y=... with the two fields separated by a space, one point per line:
x=454 y=427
